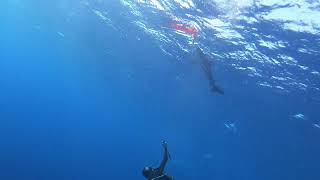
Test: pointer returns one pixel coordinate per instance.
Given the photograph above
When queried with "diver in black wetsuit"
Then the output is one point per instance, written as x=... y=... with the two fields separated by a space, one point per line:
x=158 y=173
x=206 y=65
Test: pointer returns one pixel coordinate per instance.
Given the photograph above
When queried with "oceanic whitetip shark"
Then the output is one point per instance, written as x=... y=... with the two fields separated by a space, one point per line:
x=207 y=66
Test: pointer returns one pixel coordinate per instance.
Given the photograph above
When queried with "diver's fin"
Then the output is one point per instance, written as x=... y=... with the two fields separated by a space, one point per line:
x=163 y=177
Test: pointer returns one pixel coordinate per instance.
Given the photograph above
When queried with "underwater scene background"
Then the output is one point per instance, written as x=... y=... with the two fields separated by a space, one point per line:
x=90 y=88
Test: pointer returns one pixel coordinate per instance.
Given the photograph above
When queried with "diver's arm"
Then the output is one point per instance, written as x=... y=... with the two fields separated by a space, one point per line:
x=165 y=157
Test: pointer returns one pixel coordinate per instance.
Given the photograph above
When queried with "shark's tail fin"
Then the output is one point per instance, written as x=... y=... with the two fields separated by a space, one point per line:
x=216 y=88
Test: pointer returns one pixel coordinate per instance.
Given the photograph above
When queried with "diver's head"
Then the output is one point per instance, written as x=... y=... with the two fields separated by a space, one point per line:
x=146 y=171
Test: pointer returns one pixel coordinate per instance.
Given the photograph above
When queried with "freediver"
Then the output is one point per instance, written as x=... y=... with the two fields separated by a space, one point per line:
x=206 y=66
x=158 y=173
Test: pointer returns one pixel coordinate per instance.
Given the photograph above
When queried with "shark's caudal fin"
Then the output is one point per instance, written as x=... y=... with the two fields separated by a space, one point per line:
x=216 y=89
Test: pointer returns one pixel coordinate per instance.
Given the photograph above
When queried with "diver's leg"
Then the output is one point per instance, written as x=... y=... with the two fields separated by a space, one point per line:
x=159 y=177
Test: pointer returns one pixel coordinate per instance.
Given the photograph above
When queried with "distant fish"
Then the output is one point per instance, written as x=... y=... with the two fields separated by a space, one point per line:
x=299 y=116
x=37 y=27
x=316 y=125
x=61 y=34
x=208 y=156
x=231 y=127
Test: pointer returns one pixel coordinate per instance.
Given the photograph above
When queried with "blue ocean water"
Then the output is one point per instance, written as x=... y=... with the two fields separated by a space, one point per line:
x=89 y=88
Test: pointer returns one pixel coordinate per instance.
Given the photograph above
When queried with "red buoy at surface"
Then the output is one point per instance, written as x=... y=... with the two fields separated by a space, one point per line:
x=185 y=29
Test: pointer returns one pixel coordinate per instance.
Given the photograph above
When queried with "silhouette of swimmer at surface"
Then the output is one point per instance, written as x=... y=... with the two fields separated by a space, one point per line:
x=206 y=66
x=158 y=173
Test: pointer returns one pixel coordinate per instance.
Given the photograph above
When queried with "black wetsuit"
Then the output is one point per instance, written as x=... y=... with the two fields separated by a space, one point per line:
x=158 y=173
x=206 y=65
